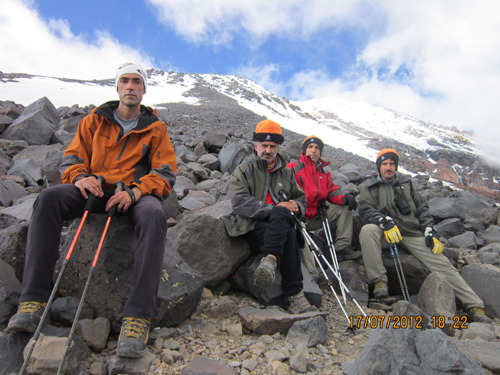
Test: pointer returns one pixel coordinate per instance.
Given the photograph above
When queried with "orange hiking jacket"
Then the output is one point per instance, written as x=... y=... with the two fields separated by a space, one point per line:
x=144 y=157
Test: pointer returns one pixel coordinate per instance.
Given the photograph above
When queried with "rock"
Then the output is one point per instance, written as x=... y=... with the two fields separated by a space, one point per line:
x=445 y=208
x=13 y=234
x=449 y=227
x=10 y=192
x=485 y=353
x=209 y=161
x=11 y=351
x=308 y=332
x=272 y=319
x=10 y=290
x=36 y=124
x=94 y=332
x=49 y=350
x=436 y=298
x=488 y=254
x=29 y=170
x=5 y=162
x=390 y=351
x=22 y=208
x=485 y=281
x=63 y=310
x=112 y=279
x=468 y=240
x=138 y=366
x=232 y=154
x=198 y=235
x=351 y=171
x=300 y=359
x=201 y=365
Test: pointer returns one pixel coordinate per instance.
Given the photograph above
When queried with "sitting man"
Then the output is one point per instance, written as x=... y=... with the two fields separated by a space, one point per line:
x=319 y=187
x=121 y=141
x=264 y=218
x=396 y=213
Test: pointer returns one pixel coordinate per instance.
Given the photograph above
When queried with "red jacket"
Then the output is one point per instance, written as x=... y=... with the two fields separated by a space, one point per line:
x=317 y=184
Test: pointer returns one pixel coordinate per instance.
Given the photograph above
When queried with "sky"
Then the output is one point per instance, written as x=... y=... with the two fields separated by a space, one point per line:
x=433 y=59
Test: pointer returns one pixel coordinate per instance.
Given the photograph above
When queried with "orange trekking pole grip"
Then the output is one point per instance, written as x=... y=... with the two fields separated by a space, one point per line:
x=111 y=213
x=88 y=207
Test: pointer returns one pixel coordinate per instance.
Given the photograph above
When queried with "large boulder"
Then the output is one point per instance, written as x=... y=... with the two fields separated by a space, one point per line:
x=112 y=278
x=202 y=241
x=36 y=124
x=485 y=281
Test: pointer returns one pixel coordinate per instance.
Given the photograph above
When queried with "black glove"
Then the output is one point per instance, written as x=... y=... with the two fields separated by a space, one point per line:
x=391 y=230
x=432 y=241
x=349 y=200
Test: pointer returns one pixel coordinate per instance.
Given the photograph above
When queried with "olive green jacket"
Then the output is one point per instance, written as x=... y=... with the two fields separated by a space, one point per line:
x=248 y=187
x=379 y=198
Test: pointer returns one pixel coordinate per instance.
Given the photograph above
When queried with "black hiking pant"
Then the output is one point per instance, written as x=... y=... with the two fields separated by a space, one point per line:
x=65 y=202
x=277 y=236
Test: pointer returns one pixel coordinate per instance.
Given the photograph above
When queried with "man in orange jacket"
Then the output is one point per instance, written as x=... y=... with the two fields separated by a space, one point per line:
x=120 y=141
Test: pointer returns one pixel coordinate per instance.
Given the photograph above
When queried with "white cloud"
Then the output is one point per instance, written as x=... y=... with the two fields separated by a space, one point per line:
x=218 y=21
x=29 y=44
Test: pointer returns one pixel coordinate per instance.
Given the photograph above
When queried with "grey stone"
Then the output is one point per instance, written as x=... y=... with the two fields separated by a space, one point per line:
x=11 y=351
x=467 y=240
x=94 y=332
x=489 y=254
x=445 y=208
x=202 y=365
x=308 y=332
x=10 y=290
x=139 y=366
x=13 y=234
x=485 y=353
x=485 y=281
x=436 y=298
x=63 y=310
x=202 y=241
x=449 y=227
x=10 y=192
x=36 y=124
x=351 y=171
x=232 y=154
x=5 y=162
x=29 y=170
x=209 y=161
x=22 y=208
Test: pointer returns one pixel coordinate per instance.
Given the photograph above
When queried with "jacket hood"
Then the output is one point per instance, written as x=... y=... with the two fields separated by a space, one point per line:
x=146 y=118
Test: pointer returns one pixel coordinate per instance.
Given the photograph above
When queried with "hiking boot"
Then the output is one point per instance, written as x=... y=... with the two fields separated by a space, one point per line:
x=133 y=337
x=265 y=273
x=348 y=254
x=26 y=318
x=380 y=290
x=298 y=304
x=476 y=314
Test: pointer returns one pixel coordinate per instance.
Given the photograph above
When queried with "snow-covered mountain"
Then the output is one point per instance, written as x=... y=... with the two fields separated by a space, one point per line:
x=442 y=151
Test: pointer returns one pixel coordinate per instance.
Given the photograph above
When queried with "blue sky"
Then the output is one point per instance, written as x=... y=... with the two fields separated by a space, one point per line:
x=430 y=59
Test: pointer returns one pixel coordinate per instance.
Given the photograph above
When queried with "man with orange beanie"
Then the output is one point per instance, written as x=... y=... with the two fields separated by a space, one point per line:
x=317 y=183
x=396 y=213
x=264 y=218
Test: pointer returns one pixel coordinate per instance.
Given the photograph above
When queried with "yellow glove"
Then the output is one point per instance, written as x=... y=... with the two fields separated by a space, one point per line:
x=391 y=230
x=432 y=241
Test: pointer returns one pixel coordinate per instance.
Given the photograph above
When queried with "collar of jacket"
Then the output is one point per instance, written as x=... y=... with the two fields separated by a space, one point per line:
x=146 y=118
x=307 y=161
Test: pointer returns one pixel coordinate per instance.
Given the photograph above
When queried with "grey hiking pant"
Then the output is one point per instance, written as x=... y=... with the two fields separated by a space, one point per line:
x=65 y=202
x=372 y=241
x=341 y=217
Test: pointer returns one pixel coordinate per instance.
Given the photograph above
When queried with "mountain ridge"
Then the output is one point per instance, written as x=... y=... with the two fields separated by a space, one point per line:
x=443 y=152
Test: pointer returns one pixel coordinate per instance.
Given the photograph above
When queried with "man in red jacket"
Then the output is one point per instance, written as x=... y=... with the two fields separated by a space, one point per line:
x=319 y=187
x=120 y=140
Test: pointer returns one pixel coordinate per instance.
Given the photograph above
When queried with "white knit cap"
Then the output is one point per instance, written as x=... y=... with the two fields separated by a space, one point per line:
x=132 y=68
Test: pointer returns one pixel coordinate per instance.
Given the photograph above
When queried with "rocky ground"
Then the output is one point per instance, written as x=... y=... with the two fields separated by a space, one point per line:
x=215 y=332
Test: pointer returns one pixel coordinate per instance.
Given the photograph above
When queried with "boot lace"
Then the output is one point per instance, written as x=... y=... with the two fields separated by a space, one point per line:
x=31 y=307
x=134 y=327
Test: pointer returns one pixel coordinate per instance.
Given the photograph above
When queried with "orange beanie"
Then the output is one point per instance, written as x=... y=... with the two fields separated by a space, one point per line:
x=268 y=131
x=387 y=153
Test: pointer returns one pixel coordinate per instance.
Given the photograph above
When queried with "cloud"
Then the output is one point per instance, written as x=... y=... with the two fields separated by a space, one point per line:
x=219 y=21
x=30 y=44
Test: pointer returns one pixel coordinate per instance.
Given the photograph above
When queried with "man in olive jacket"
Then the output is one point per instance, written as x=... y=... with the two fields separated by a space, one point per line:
x=264 y=217
x=396 y=213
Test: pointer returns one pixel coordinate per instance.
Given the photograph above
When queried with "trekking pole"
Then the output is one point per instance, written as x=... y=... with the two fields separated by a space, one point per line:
x=329 y=240
x=318 y=253
x=88 y=206
x=111 y=213
x=399 y=271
